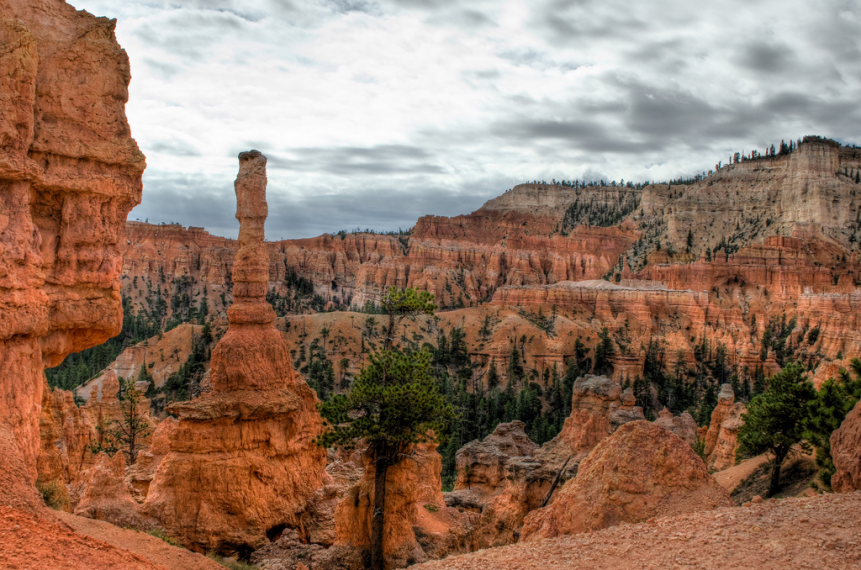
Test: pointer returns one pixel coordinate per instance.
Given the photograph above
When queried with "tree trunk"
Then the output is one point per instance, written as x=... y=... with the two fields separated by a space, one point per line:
x=774 y=485
x=378 y=560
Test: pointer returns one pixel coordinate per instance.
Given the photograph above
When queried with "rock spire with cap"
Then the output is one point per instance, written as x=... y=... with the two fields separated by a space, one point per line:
x=243 y=458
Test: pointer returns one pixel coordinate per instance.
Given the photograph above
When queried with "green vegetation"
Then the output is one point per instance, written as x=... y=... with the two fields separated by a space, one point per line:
x=599 y=209
x=394 y=404
x=231 y=563
x=125 y=434
x=184 y=384
x=300 y=296
x=776 y=419
x=162 y=534
x=54 y=493
x=81 y=366
x=827 y=411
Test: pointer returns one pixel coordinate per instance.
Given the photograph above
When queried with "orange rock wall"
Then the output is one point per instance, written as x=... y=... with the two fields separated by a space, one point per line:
x=69 y=174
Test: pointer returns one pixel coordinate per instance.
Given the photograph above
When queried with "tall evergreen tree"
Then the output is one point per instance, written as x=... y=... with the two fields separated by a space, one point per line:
x=394 y=404
x=776 y=419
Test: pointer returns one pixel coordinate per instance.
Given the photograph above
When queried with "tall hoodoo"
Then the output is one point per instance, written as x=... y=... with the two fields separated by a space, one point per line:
x=251 y=268
x=243 y=461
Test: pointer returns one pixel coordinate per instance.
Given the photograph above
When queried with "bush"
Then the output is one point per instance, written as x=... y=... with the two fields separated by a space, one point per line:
x=55 y=494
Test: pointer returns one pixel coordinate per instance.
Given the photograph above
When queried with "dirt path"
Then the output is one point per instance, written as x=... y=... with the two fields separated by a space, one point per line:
x=782 y=534
x=50 y=540
x=139 y=543
x=36 y=542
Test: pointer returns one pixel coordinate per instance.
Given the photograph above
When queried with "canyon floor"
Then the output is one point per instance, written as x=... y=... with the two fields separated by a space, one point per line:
x=811 y=532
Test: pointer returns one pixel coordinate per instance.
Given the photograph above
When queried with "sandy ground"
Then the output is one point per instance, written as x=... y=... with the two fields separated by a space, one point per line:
x=139 y=543
x=49 y=540
x=811 y=532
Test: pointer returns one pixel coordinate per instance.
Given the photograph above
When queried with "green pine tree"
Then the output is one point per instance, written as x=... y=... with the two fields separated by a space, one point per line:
x=776 y=419
x=393 y=404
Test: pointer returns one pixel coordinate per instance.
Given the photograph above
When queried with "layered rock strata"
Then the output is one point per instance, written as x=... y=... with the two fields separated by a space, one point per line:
x=639 y=472
x=69 y=174
x=243 y=460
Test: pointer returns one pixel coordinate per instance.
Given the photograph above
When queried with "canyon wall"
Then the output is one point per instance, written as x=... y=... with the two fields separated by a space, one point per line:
x=721 y=259
x=69 y=174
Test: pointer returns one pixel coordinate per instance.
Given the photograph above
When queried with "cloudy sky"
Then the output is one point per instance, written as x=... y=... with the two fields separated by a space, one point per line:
x=375 y=112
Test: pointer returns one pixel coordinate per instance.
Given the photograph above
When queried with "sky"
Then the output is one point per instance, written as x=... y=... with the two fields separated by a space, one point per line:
x=375 y=112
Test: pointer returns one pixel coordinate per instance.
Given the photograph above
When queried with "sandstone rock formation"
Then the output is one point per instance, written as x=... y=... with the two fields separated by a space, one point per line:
x=598 y=408
x=67 y=433
x=105 y=494
x=69 y=174
x=846 y=451
x=639 y=472
x=419 y=524
x=721 y=441
x=481 y=465
x=682 y=425
x=243 y=459
x=500 y=481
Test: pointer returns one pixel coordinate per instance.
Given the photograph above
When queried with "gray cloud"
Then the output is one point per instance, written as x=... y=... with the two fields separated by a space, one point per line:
x=346 y=161
x=765 y=57
x=374 y=112
x=204 y=202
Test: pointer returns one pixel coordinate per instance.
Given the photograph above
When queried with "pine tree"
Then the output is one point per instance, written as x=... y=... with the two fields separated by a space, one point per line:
x=833 y=401
x=394 y=404
x=604 y=353
x=776 y=419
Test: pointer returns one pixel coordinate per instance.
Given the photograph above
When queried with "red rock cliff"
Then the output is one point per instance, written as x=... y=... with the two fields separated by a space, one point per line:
x=69 y=174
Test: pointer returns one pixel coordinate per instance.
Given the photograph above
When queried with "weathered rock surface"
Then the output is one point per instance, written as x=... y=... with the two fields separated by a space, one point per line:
x=419 y=524
x=69 y=174
x=846 y=451
x=67 y=432
x=682 y=425
x=721 y=442
x=105 y=494
x=598 y=408
x=481 y=465
x=499 y=481
x=243 y=460
x=639 y=472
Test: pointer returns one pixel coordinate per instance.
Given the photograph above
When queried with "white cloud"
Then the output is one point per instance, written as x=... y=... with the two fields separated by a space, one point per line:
x=405 y=99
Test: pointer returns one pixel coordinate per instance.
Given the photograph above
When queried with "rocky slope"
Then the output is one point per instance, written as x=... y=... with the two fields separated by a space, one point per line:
x=846 y=450
x=810 y=532
x=640 y=471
